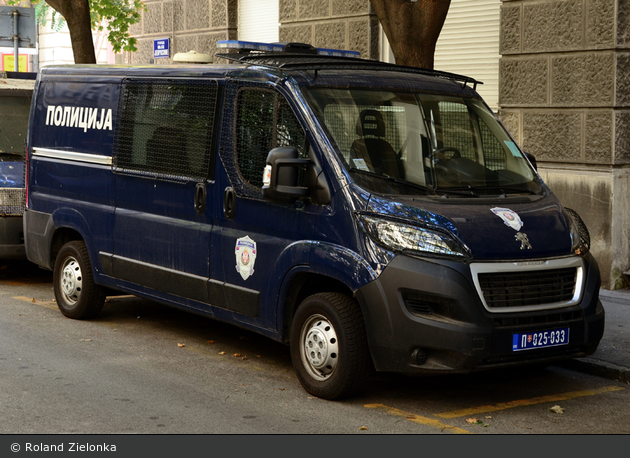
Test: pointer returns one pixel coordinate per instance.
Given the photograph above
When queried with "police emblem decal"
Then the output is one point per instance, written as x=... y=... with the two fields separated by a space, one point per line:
x=509 y=217
x=245 y=251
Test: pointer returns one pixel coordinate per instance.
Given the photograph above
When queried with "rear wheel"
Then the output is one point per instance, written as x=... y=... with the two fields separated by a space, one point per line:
x=75 y=291
x=329 y=346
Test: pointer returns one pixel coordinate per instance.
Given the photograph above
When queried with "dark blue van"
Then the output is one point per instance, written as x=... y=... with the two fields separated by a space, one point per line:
x=366 y=214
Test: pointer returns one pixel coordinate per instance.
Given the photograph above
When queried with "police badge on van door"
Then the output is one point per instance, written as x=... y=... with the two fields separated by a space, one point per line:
x=245 y=252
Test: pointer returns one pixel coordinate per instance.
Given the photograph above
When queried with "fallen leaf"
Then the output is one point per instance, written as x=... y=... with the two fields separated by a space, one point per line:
x=33 y=300
x=181 y=345
x=363 y=428
x=236 y=355
x=222 y=353
x=85 y=340
x=473 y=421
x=211 y=341
x=245 y=357
x=282 y=389
x=556 y=409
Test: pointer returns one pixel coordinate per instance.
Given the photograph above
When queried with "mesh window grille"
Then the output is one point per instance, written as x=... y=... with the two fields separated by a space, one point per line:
x=264 y=121
x=12 y=201
x=166 y=129
x=457 y=130
x=493 y=152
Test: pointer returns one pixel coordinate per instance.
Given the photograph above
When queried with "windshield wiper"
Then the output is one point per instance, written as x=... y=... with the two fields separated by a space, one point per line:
x=466 y=191
x=474 y=191
x=393 y=179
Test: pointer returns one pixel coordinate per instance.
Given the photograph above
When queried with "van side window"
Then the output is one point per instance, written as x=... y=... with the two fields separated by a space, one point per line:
x=166 y=129
x=264 y=121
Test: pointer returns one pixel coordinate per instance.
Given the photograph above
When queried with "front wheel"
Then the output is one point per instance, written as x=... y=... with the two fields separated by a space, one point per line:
x=329 y=347
x=75 y=291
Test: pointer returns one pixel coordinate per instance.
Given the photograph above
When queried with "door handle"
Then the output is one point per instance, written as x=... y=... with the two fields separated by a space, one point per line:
x=229 y=203
x=200 y=198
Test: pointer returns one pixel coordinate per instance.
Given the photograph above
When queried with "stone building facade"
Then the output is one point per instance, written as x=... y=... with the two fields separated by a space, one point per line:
x=199 y=24
x=565 y=95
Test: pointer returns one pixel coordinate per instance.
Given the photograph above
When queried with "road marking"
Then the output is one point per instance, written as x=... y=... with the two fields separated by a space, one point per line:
x=528 y=402
x=418 y=419
x=48 y=304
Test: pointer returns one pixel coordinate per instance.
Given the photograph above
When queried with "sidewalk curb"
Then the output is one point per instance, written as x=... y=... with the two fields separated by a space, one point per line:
x=598 y=368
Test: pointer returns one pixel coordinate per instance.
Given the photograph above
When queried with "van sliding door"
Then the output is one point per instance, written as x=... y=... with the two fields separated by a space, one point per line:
x=163 y=161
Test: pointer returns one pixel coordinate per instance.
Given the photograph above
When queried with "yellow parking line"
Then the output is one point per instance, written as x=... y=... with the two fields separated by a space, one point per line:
x=527 y=402
x=48 y=304
x=418 y=419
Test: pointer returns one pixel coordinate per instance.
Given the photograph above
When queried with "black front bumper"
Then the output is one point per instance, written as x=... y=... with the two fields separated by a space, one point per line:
x=425 y=316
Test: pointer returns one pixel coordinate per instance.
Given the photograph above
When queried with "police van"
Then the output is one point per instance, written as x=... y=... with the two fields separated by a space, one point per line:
x=16 y=91
x=364 y=213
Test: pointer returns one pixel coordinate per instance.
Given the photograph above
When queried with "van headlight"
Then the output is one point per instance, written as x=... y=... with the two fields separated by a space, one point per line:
x=580 y=238
x=400 y=237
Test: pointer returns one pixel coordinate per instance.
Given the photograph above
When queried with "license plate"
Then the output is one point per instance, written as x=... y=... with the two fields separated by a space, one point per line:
x=541 y=339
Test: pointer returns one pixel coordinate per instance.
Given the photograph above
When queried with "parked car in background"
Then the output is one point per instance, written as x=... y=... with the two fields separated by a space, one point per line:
x=16 y=92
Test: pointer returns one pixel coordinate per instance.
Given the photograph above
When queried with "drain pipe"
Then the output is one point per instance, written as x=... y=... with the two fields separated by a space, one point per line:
x=16 y=41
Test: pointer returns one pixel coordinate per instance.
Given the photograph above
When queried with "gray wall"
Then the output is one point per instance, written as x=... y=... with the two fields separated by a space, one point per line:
x=564 y=93
x=341 y=24
x=190 y=24
x=199 y=24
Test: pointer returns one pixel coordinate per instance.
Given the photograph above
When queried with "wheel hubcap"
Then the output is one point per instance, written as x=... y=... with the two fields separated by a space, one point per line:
x=71 y=280
x=319 y=347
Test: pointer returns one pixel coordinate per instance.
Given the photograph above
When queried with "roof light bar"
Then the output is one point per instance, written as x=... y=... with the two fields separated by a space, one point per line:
x=284 y=47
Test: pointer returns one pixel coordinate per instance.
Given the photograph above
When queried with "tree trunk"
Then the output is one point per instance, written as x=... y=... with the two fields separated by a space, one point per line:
x=412 y=28
x=77 y=15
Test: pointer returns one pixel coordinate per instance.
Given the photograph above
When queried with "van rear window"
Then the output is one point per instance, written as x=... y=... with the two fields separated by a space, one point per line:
x=166 y=129
x=14 y=112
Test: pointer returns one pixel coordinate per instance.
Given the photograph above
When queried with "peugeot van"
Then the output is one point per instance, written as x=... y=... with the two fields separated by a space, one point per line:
x=368 y=215
x=16 y=91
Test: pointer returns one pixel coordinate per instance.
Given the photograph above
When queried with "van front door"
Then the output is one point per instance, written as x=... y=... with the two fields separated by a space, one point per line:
x=163 y=224
x=259 y=241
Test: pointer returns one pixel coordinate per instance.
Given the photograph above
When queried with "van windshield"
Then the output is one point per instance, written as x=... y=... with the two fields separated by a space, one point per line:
x=413 y=143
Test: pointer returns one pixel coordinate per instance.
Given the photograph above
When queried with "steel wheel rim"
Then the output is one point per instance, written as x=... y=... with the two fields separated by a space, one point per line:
x=71 y=282
x=319 y=347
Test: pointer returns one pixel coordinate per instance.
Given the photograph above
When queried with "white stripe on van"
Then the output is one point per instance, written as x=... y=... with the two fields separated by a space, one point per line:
x=72 y=156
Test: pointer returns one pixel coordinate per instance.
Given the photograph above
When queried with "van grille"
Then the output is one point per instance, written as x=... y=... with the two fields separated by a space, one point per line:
x=12 y=201
x=522 y=289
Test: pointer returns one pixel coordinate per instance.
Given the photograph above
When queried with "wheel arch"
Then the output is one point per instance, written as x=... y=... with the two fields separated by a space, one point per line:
x=60 y=237
x=298 y=287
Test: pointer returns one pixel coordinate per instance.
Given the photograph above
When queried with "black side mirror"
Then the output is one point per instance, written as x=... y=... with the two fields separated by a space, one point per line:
x=280 y=179
x=532 y=159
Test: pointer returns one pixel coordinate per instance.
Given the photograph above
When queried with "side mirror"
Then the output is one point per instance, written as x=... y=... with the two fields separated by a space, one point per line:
x=280 y=178
x=282 y=174
x=532 y=159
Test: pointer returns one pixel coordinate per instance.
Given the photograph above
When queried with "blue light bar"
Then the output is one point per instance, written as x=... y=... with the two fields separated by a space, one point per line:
x=279 y=47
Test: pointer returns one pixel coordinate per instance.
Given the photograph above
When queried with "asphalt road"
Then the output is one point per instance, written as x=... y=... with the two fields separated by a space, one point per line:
x=142 y=367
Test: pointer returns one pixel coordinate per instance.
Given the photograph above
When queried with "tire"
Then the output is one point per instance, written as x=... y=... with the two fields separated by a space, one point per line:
x=76 y=293
x=333 y=323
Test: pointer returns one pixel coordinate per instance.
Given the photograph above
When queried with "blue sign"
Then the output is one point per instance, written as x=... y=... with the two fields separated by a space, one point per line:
x=161 y=48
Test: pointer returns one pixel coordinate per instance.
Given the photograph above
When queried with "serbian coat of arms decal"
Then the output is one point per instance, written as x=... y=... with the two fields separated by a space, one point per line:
x=509 y=217
x=245 y=252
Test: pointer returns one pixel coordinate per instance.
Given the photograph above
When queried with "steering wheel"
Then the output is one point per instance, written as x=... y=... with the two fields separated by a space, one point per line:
x=440 y=151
